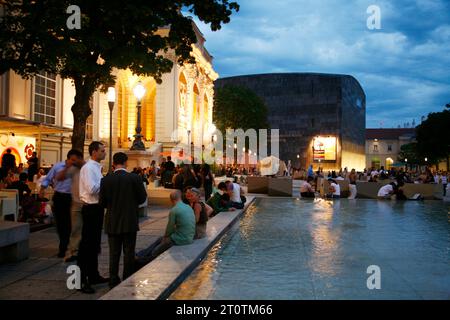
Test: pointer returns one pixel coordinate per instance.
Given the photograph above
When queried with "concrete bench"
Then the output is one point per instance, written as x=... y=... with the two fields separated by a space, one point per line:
x=258 y=184
x=14 y=241
x=428 y=191
x=280 y=187
x=159 y=278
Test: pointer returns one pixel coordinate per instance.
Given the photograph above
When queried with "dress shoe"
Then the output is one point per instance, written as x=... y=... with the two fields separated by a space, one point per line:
x=86 y=288
x=98 y=280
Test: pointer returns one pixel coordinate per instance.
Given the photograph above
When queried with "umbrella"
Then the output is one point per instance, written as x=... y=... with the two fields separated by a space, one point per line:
x=398 y=164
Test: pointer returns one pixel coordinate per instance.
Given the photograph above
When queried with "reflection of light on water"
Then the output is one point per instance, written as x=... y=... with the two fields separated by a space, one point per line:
x=202 y=282
x=326 y=242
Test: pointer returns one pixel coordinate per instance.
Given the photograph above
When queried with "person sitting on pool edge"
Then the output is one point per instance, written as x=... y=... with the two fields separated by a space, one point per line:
x=334 y=189
x=306 y=190
x=202 y=212
x=180 y=230
x=387 y=191
x=218 y=201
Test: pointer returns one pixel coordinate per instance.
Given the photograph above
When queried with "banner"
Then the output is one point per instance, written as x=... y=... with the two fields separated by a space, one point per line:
x=324 y=149
x=21 y=147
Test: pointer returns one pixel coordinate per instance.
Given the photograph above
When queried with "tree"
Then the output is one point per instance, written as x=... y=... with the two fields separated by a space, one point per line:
x=239 y=107
x=409 y=151
x=433 y=137
x=37 y=36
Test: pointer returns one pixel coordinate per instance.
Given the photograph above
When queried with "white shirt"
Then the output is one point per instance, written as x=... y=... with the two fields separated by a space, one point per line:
x=444 y=179
x=337 y=189
x=236 y=195
x=90 y=177
x=385 y=190
x=436 y=178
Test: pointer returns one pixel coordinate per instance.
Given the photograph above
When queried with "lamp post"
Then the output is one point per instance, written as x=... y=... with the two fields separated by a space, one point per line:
x=139 y=92
x=111 y=96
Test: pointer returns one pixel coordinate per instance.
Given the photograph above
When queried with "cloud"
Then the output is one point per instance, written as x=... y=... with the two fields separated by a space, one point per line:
x=403 y=68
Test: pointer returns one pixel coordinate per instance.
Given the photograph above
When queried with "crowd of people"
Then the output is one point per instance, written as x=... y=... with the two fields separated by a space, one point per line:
x=396 y=177
x=82 y=195
x=85 y=200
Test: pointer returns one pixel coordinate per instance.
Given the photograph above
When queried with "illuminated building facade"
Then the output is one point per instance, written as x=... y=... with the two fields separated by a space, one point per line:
x=321 y=117
x=179 y=110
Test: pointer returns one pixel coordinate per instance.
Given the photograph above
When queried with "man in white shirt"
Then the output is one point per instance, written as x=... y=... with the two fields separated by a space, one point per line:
x=335 y=189
x=92 y=213
x=387 y=191
x=235 y=191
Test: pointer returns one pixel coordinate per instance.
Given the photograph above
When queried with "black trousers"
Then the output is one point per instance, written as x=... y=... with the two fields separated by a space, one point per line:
x=208 y=190
x=117 y=242
x=61 y=210
x=91 y=236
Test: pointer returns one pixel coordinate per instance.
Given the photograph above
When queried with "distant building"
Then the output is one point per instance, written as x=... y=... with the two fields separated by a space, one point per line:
x=383 y=145
x=321 y=117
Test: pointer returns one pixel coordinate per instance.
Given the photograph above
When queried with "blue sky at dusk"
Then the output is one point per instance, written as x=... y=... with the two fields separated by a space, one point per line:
x=404 y=67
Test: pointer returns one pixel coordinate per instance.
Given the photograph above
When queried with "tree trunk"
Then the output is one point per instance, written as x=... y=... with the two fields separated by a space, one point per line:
x=81 y=110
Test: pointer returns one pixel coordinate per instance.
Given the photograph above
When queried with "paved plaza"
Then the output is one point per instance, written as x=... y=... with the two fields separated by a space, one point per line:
x=43 y=275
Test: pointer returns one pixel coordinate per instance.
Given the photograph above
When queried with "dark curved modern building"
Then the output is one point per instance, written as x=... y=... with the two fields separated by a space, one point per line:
x=321 y=117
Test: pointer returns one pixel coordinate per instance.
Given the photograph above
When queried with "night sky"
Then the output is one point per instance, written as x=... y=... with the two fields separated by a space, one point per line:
x=404 y=67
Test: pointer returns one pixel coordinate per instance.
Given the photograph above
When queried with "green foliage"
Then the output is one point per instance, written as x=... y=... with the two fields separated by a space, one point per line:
x=409 y=151
x=433 y=136
x=238 y=107
x=125 y=34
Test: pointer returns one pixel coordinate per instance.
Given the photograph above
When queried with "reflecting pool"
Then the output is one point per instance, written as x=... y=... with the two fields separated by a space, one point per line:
x=320 y=249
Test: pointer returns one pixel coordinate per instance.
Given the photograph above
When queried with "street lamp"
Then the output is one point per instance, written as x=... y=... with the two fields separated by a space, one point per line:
x=111 y=96
x=139 y=92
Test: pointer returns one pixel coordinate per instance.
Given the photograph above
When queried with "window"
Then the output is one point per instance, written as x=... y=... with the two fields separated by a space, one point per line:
x=375 y=148
x=389 y=147
x=90 y=122
x=45 y=98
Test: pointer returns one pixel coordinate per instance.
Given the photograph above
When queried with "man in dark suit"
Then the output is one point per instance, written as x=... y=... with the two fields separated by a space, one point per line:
x=121 y=193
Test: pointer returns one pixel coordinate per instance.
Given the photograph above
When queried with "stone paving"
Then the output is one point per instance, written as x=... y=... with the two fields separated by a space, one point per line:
x=43 y=275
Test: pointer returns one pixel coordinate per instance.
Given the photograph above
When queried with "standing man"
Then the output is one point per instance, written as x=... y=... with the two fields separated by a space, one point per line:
x=8 y=162
x=92 y=213
x=121 y=193
x=62 y=198
x=73 y=172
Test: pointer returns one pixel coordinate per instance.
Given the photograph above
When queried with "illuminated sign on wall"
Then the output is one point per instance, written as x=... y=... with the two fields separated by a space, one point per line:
x=21 y=147
x=324 y=149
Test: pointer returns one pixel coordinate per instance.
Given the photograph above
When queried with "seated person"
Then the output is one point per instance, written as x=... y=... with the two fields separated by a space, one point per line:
x=202 y=212
x=386 y=192
x=235 y=191
x=306 y=190
x=180 y=229
x=21 y=185
x=218 y=202
x=27 y=203
x=334 y=189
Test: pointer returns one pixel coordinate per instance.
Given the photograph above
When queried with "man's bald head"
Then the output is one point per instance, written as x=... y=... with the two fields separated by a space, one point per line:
x=175 y=196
